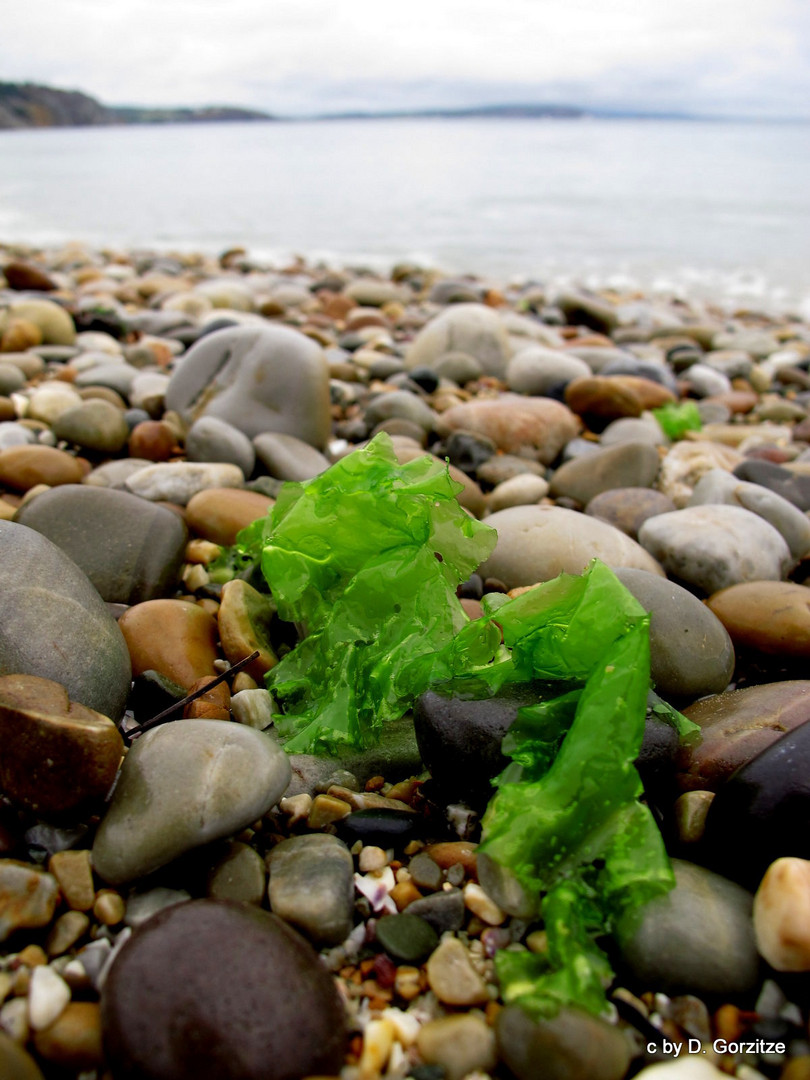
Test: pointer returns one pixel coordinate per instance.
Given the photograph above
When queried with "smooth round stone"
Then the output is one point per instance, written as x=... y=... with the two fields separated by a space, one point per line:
x=452 y=977
x=633 y=429
x=460 y=1045
x=180 y=481
x=628 y=464
x=267 y=378
x=512 y=422
x=54 y=624
x=59 y=758
x=771 y=617
x=501 y=467
x=373 y=292
x=782 y=915
x=719 y=487
x=173 y=1010
x=795 y=488
x=49 y=400
x=244 y=620
x=698 y=939
x=226 y=293
x=149 y=440
x=522 y=490
x=15 y=1062
x=29 y=363
x=573 y=1045
x=402 y=405
x=173 y=637
x=212 y=439
x=289 y=458
x=460 y=367
x=23 y=467
x=628 y=508
x=14 y=434
x=538 y=370
x=705 y=381
x=691 y=653
x=536 y=543
x=53 y=322
x=239 y=875
x=712 y=547
x=143 y=545
x=737 y=726
x=95 y=424
x=763 y=811
x=441 y=910
x=686 y=462
x=407 y=937
x=312 y=886
x=73 y=1041
x=601 y=398
x=182 y=785
x=11 y=379
x=114 y=374
x=27 y=277
x=219 y=514
x=473 y=329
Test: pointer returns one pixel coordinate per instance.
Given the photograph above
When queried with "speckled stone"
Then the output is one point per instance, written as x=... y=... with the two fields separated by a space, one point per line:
x=312 y=886
x=172 y=1009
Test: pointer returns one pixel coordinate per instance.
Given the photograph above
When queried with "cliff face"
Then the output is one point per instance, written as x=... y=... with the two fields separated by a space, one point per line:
x=25 y=105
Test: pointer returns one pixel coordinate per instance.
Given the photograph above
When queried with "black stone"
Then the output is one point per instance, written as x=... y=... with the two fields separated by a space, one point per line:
x=762 y=812
x=380 y=826
x=424 y=378
x=406 y=937
x=466 y=451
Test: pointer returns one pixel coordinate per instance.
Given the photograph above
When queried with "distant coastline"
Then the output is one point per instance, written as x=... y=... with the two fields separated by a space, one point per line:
x=30 y=105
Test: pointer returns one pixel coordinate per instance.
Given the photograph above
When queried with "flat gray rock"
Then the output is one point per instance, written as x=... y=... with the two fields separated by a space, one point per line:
x=288 y=458
x=258 y=378
x=628 y=464
x=54 y=624
x=712 y=547
x=182 y=785
x=143 y=544
x=212 y=439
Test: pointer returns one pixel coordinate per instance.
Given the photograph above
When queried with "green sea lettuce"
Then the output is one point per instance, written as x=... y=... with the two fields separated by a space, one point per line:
x=676 y=418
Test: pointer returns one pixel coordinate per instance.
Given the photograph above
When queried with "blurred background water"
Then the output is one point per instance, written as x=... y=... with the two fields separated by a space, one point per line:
x=713 y=208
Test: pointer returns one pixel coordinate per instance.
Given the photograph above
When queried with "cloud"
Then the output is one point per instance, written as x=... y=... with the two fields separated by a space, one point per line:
x=314 y=55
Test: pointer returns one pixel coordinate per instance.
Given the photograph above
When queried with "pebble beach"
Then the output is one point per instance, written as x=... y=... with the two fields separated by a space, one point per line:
x=186 y=900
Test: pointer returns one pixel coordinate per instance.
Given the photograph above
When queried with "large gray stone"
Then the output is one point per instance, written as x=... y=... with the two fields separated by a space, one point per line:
x=469 y=328
x=628 y=464
x=258 y=378
x=691 y=653
x=288 y=458
x=536 y=543
x=54 y=624
x=698 y=939
x=182 y=785
x=212 y=439
x=213 y=990
x=143 y=543
x=712 y=547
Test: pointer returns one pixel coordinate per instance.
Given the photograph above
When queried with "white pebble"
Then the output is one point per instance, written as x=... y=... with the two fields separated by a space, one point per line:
x=406 y=1025
x=297 y=807
x=477 y=901
x=782 y=915
x=14 y=1019
x=253 y=707
x=378 y=1040
x=48 y=995
x=372 y=858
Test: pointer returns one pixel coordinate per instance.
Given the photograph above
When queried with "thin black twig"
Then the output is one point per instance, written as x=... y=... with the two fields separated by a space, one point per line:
x=162 y=717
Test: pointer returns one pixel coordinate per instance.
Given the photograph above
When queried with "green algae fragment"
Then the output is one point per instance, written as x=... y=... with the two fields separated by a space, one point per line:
x=676 y=418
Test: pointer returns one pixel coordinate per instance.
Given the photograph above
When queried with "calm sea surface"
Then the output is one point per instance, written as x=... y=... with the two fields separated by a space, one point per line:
x=702 y=207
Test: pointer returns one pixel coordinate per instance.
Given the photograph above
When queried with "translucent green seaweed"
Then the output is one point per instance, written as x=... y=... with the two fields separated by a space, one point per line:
x=676 y=418
x=366 y=559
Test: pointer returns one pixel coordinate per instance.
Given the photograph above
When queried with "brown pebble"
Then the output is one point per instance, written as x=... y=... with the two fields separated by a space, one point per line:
x=73 y=871
x=109 y=907
x=22 y=467
x=152 y=440
x=19 y=335
x=771 y=617
x=218 y=514
x=66 y=931
x=214 y=704
x=450 y=852
x=404 y=893
x=73 y=1041
x=33 y=956
x=325 y=810
x=28 y=277
x=245 y=618
x=173 y=637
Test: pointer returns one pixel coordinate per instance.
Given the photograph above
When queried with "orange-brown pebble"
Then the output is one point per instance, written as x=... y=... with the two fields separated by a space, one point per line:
x=728 y=1023
x=32 y=956
x=448 y=853
x=22 y=467
x=109 y=907
x=771 y=617
x=73 y=1041
x=214 y=704
x=7 y=410
x=172 y=637
x=218 y=514
x=610 y=397
x=245 y=617
x=74 y=874
x=375 y=783
x=337 y=306
x=153 y=440
x=409 y=982
x=472 y=607
x=405 y=790
x=404 y=893
x=19 y=335
x=736 y=401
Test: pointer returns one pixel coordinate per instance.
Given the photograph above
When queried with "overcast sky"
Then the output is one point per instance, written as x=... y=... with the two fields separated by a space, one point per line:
x=292 y=57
